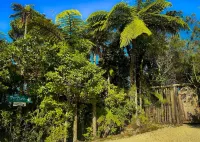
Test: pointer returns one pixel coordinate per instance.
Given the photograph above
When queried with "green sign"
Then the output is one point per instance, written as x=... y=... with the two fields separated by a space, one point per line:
x=19 y=98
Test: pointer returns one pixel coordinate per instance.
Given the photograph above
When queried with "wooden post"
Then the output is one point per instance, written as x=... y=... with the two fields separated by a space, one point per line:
x=176 y=106
x=172 y=105
x=157 y=115
x=160 y=115
x=165 y=113
x=169 y=107
x=181 y=108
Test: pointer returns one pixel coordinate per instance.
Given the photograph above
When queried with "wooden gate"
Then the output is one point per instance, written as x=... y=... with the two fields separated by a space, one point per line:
x=181 y=105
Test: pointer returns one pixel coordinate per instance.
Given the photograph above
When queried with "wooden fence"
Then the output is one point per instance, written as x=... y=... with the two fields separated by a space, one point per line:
x=171 y=112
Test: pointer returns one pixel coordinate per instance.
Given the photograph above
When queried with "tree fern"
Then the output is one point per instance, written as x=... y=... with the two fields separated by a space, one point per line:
x=35 y=24
x=70 y=21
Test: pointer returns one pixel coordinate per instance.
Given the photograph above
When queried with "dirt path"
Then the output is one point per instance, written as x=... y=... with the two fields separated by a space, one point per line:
x=185 y=133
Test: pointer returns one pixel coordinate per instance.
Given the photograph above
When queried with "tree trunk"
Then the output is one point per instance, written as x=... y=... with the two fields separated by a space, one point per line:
x=26 y=25
x=94 y=120
x=132 y=79
x=133 y=74
x=65 y=138
x=75 y=133
x=140 y=79
x=139 y=3
x=108 y=78
x=94 y=58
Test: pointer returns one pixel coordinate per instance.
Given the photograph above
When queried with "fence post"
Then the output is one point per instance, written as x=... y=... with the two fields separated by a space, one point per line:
x=172 y=104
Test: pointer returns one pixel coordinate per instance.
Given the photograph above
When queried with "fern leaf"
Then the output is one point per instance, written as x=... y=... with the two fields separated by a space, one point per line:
x=136 y=28
x=97 y=17
x=166 y=23
x=156 y=7
x=119 y=15
x=72 y=12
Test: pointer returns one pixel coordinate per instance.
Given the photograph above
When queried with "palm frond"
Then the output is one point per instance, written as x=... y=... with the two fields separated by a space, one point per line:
x=156 y=7
x=136 y=28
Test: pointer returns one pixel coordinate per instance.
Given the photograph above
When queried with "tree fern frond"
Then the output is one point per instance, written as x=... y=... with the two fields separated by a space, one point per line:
x=17 y=7
x=95 y=22
x=72 y=12
x=97 y=16
x=156 y=7
x=165 y=22
x=136 y=28
x=119 y=15
x=46 y=28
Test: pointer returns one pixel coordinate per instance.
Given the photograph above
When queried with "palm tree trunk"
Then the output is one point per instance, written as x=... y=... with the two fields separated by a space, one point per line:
x=94 y=120
x=75 y=126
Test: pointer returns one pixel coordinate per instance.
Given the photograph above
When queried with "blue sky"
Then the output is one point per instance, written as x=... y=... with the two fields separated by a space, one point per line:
x=52 y=7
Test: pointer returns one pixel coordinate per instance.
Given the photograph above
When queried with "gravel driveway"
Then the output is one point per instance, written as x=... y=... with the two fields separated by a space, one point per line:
x=185 y=133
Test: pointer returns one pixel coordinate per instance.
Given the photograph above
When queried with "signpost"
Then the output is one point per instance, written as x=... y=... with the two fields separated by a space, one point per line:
x=19 y=100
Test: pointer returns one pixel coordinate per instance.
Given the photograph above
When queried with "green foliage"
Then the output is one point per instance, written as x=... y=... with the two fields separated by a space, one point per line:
x=88 y=136
x=160 y=98
x=115 y=113
x=132 y=31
